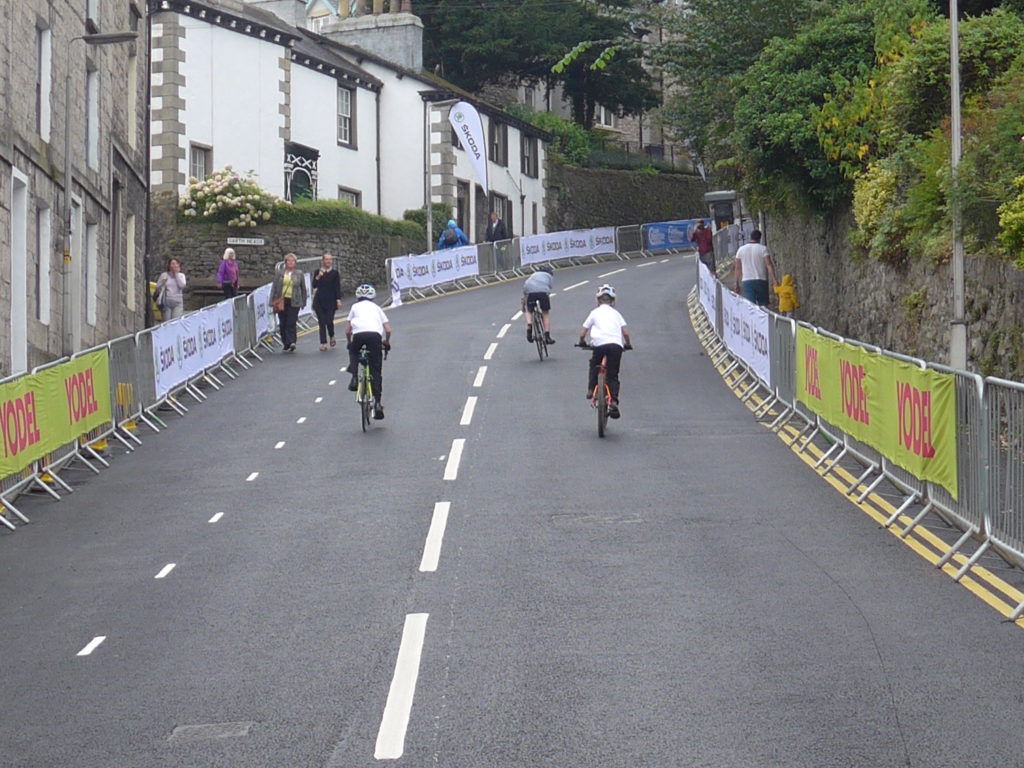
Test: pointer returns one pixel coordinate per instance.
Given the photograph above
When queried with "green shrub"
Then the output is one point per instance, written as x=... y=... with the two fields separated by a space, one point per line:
x=570 y=143
x=441 y=213
x=337 y=214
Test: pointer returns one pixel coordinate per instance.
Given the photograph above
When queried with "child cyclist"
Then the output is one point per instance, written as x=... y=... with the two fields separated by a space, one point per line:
x=608 y=337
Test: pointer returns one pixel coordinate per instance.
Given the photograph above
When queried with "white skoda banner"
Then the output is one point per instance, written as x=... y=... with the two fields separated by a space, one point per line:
x=465 y=120
x=563 y=245
x=434 y=268
x=184 y=348
x=745 y=331
x=708 y=292
x=261 y=308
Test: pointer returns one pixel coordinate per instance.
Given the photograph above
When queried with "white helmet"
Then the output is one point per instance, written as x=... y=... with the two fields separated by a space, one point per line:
x=365 y=291
x=606 y=290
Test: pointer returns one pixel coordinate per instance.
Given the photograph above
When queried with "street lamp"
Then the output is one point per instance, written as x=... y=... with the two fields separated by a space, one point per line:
x=100 y=38
x=958 y=325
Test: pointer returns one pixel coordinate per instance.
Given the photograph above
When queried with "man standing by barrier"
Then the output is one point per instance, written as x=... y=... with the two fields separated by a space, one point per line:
x=704 y=239
x=754 y=269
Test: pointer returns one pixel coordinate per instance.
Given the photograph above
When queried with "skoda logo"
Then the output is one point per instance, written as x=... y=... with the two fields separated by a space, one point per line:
x=459 y=116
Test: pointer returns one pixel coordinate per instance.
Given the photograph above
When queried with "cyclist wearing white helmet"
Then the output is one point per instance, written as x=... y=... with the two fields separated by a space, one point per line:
x=536 y=290
x=608 y=337
x=368 y=327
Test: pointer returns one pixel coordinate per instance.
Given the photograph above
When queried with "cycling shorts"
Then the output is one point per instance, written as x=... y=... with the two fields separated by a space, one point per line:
x=538 y=298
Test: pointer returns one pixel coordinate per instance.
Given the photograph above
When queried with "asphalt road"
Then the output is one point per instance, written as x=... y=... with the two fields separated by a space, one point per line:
x=684 y=592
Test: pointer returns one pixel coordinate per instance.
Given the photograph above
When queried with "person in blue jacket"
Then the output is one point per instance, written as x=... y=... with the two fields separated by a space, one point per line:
x=452 y=236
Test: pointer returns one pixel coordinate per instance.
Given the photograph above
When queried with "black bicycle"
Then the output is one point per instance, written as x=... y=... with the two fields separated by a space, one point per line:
x=539 y=337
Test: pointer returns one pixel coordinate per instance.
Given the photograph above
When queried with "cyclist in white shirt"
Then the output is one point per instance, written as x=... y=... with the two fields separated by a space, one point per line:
x=608 y=337
x=368 y=327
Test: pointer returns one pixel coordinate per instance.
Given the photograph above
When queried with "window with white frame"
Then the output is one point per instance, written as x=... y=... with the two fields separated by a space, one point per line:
x=92 y=118
x=44 y=79
x=528 y=163
x=350 y=196
x=346 y=126
x=497 y=142
x=44 y=246
x=200 y=161
x=604 y=117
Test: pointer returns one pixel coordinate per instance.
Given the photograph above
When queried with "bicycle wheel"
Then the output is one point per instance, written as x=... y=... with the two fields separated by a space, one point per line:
x=602 y=403
x=364 y=397
x=538 y=333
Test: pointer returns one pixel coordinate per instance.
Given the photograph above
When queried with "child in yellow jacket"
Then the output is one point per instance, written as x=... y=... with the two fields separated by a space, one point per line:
x=788 y=302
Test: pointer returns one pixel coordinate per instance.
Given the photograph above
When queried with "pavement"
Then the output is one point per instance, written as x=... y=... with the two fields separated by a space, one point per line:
x=487 y=582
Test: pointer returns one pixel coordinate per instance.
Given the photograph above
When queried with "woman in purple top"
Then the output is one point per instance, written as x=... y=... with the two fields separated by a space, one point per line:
x=227 y=274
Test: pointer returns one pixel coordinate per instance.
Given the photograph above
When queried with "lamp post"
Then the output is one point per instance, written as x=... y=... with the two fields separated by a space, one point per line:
x=101 y=38
x=958 y=325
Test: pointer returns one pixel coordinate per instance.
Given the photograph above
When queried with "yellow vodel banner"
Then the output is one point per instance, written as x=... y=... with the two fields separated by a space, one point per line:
x=43 y=411
x=906 y=413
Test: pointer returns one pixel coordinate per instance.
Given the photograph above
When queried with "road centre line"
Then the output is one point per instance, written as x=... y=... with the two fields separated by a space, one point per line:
x=252 y=477
x=504 y=330
x=332 y=382
x=517 y=315
x=343 y=369
x=467 y=412
x=574 y=285
x=663 y=261
x=279 y=446
x=216 y=517
x=301 y=420
x=613 y=272
x=165 y=570
x=479 y=380
x=435 y=537
x=395 y=721
x=647 y=264
x=318 y=400
x=92 y=646
x=490 y=351
x=451 y=469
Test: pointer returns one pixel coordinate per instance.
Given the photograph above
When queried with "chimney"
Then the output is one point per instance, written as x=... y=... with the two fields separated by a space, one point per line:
x=395 y=34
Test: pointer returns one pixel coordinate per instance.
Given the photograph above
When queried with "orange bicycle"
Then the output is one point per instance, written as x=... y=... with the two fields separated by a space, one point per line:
x=601 y=396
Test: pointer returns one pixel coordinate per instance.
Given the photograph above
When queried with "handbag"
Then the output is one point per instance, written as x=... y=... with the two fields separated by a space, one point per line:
x=278 y=304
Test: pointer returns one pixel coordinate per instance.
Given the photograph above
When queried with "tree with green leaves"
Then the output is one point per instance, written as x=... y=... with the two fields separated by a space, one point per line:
x=473 y=44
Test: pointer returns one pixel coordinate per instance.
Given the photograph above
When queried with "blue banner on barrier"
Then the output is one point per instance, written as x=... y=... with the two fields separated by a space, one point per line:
x=669 y=235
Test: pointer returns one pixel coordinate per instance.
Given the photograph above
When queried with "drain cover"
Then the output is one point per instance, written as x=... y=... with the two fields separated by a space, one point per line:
x=210 y=731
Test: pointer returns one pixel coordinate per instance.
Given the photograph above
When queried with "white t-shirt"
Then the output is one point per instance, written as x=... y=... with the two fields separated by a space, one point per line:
x=367 y=316
x=605 y=325
x=752 y=258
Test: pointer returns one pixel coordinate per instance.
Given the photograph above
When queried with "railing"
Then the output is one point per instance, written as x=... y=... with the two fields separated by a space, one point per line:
x=59 y=418
x=963 y=434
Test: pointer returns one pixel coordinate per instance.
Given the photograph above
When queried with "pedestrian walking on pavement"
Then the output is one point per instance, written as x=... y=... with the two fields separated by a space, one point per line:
x=754 y=270
x=326 y=299
x=287 y=297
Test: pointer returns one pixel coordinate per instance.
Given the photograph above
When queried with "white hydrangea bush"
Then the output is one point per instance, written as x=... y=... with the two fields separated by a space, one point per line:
x=228 y=193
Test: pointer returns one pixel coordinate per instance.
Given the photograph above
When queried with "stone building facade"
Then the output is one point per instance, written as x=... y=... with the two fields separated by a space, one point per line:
x=71 y=259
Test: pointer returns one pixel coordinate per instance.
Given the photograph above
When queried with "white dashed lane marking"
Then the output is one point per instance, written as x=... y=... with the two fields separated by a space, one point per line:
x=451 y=469
x=435 y=537
x=504 y=330
x=332 y=382
x=301 y=420
x=165 y=570
x=318 y=400
x=648 y=264
x=613 y=272
x=279 y=446
x=575 y=285
x=252 y=477
x=479 y=380
x=663 y=261
x=516 y=316
x=216 y=517
x=467 y=412
x=391 y=736
x=92 y=646
x=490 y=351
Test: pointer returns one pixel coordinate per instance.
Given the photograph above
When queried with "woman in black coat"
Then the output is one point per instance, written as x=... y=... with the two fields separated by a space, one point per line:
x=326 y=298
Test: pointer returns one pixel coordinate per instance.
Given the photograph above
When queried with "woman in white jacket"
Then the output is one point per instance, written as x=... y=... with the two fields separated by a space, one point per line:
x=169 y=290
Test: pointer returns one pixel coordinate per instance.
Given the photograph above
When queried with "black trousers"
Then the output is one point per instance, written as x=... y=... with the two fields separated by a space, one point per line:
x=229 y=290
x=286 y=323
x=372 y=341
x=325 y=318
x=613 y=353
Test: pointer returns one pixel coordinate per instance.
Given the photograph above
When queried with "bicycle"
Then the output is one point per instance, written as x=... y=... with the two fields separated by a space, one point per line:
x=601 y=396
x=539 y=337
x=364 y=388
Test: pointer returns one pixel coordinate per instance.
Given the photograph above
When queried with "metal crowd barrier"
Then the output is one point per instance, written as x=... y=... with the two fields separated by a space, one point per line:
x=989 y=414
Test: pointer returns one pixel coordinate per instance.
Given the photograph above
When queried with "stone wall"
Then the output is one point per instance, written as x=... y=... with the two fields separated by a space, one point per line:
x=905 y=309
x=200 y=246
x=581 y=198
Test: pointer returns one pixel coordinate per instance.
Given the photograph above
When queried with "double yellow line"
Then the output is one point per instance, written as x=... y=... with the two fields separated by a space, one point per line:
x=984 y=584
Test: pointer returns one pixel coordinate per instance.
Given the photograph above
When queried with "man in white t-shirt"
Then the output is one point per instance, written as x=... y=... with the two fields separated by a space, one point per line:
x=608 y=337
x=754 y=269
x=368 y=327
